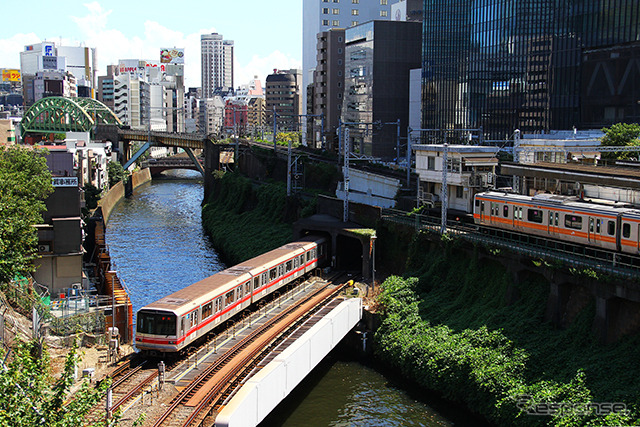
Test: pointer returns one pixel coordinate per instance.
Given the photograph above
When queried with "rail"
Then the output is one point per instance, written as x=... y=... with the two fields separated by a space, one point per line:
x=213 y=385
x=576 y=256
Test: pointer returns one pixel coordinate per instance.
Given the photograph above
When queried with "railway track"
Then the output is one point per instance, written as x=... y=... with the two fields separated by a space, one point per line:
x=207 y=391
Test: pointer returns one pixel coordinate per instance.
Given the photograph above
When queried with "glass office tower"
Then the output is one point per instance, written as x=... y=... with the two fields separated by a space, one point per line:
x=533 y=65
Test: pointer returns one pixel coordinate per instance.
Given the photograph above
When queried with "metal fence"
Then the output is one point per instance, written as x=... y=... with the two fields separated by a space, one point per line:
x=573 y=256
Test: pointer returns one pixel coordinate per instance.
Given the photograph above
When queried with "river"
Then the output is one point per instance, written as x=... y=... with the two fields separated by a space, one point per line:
x=157 y=243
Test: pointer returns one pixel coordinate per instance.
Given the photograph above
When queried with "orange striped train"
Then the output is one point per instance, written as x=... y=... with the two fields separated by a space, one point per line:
x=183 y=317
x=608 y=226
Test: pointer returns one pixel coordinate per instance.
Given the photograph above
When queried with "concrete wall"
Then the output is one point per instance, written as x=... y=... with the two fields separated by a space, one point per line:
x=116 y=193
x=265 y=390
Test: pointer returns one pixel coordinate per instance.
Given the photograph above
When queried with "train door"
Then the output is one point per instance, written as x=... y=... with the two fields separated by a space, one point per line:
x=552 y=227
x=595 y=228
x=482 y=211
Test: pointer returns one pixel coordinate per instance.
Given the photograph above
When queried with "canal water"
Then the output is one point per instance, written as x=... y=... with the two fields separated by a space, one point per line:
x=157 y=243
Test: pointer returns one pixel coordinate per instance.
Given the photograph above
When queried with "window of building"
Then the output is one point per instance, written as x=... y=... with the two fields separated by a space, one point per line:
x=340 y=39
x=431 y=163
x=573 y=221
x=339 y=51
x=339 y=96
x=459 y=192
x=354 y=23
x=355 y=12
x=383 y=13
x=325 y=22
x=534 y=215
x=335 y=23
x=355 y=1
x=383 y=2
x=339 y=73
x=336 y=11
x=325 y=10
x=339 y=61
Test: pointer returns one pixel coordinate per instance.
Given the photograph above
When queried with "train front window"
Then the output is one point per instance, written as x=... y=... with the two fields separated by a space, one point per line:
x=156 y=323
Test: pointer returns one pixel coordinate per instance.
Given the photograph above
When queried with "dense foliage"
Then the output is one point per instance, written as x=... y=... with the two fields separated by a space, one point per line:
x=116 y=173
x=621 y=135
x=30 y=396
x=25 y=182
x=455 y=326
x=244 y=222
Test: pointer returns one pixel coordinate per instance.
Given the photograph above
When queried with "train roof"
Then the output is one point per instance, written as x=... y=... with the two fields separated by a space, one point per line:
x=565 y=202
x=190 y=297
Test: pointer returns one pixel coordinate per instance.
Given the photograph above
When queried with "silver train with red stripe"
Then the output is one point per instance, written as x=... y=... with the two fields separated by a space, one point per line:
x=177 y=320
x=611 y=226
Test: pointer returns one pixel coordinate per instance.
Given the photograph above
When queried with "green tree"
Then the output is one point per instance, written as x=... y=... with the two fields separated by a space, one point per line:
x=283 y=138
x=25 y=182
x=116 y=173
x=31 y=396
x=621 y=135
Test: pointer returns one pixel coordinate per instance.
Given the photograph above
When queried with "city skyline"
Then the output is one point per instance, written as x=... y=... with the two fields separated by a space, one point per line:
x=118 y=32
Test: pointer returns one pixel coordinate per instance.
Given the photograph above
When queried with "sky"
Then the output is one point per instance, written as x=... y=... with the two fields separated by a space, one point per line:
x=266 y=34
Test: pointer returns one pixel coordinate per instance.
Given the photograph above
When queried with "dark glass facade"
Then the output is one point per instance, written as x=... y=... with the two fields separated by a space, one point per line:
x=533 y=65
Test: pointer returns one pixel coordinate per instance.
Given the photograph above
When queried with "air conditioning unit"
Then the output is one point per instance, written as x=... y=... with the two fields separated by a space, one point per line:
x=43 y=248
x=76 y=286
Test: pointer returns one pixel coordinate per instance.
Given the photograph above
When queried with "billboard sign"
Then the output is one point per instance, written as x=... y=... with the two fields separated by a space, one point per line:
x=47 y=49
x=172 y=56
x=9 y=75
x=131 y=66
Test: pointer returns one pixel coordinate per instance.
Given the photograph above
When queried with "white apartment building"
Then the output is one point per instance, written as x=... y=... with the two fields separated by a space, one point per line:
x=212 y=115
x=217 y=64
x=322 y=15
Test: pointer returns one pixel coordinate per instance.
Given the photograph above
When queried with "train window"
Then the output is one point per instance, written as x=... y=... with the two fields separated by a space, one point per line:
x=573 y=221
x=218 y=304
x=550 y=218
x=534 y=215
x=295 y=262
x=477 y=203
x=626 y=230
x=265 y=278
x=301 y=260
x=273 y=273
x=611 y=228
x=505 y=211
x=256 y=283
x=247 y=287
x=289 y=266
x=308 y=255
x=156 y=323
x=281 y=270
x=207 y=310
x=590 y=225
x=239 y=292
x=557 y=216
x=598 y=226
x=228 y=298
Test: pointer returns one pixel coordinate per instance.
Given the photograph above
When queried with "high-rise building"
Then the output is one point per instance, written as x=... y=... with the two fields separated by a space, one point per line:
x=217 y=64
x=379 y=56
x=530 y=65
x=322 y=15
x=326 y=94
x=282 y=95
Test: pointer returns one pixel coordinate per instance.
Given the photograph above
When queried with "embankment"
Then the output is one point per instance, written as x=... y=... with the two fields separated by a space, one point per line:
x=117 y=192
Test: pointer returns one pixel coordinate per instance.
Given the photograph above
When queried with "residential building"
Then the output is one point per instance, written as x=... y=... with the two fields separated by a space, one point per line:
x=326 y=93
x=191 y=110
x=211 y=116
x=529 y=65
x=323 y=15
x=469 y=170
x=256 y=115
x=379 y=56
x=235 y=116
x=106 y=87
x=217 y=64
x=54 y=83
x=282 y=94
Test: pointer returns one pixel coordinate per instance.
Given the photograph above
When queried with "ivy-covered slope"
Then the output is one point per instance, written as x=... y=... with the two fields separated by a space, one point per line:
x=449 y=325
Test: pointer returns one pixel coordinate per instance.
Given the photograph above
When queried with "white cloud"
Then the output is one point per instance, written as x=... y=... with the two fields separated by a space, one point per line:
x=10 y=49
x=262 y=66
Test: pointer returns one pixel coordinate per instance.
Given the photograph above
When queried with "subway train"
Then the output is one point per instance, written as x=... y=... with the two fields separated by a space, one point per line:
x=181 y=318
x=612 y=226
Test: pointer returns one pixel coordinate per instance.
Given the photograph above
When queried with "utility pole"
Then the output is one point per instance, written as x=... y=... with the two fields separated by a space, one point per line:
x=445 y=192
x=345 y=144
x=289 y=169
x=274 y=130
